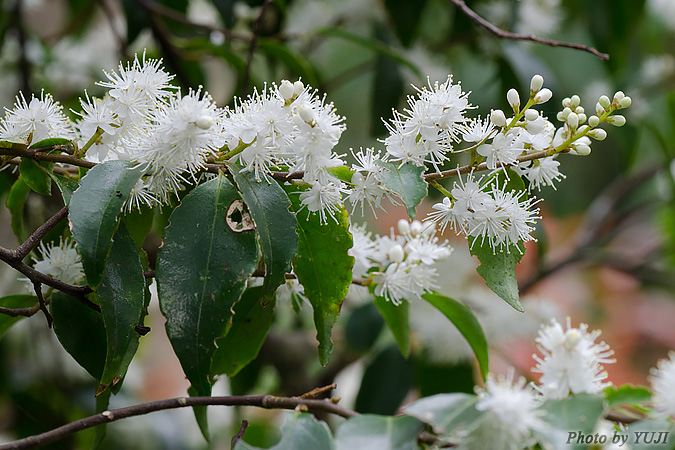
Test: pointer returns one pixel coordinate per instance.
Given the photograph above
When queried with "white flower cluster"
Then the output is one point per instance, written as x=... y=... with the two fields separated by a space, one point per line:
x=401 y=266
x=33 y=121
x=61 y=261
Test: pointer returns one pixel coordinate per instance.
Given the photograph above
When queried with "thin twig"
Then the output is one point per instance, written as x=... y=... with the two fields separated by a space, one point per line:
x=252 y=48
x=240 y=434
x=39 y=155
x=37 y=287
x=522 y=37
x=16 y=312
x=318 y=391
x=34 y=239
x=261 y=401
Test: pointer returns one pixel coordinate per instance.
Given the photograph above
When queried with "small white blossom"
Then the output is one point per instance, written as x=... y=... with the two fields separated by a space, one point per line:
x=663 y=386
x=61 y=261
x=41 y=117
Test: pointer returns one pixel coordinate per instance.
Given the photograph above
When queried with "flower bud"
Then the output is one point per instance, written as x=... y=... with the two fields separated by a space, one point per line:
x=574 y=101
x=531 y=114
x=298 y=87
x=498 y=118
x=286 y=90
x=566 y=112
x=619 y=96
x=625 y=102
x=594 y=121
x=396 y=254
x=536 y=83
x=543 y=96
x=428 y=227
x=567 y=102
x=582 y=150
x=403 y=227
x=306 y=114
x=617 y=120
x=604 y=101
x=513 y=98
x=204 y=122
x=579 y=110
x=599 y=109
x=598 y=134
x=415 y=227
x=582 y=129
x=582 y=117
x=573 y=120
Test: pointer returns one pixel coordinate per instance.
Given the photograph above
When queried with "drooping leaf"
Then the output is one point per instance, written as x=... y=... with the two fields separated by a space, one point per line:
x=445 y=412
x=252 y=320
x=378 y=432
x=276 y=225
x=467 y=324
x=14 y=302
x=324 y=269
x=36 y=176
x=15 y=202
x=300 y=432
x=66 y=185
x=499 y=270
x=93 y=212
x=202 y=270
x=81 y=331
x=577 y=413
x=385 y=384
x=396 y=317
x=121 y=296
x=406 y=181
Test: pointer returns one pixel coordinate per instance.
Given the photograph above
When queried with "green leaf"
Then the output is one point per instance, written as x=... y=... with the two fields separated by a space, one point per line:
x=378 y=432
x=298 y=64
x=445 y=412
x=658 y=434
x=15 y=202
x=81 y=331
x=276 y=225
x=388 y=86
x=577 y=413
x=66 y=185
x=343 y=173
x=49 y=142
x=363 y=328
x=385 y=383
x=121 y=296
x=467 y=324
x=102 y=403
x=13 y=145
x=627 y=395
x=397 y=320
x=252 y=320
x=499 y=270
x=36 y=176
x=93 y=212
x=202 y=270
x=406 y=181
x=405 y=16
x=324 y=269
x=138 y=224
x=300 y=432
x=14 y=302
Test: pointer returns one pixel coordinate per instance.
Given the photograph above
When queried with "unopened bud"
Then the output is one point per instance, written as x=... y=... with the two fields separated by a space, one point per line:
x=617 y=120
x=574 y=101
x=403 y=227
x=531 y=114
x=416 y=227
x=566 y=112
x=567 y=102
x=306 y=114
x=579 y=110
x=598 y=134
x=498 y=118
x=594 y=121
x=604 y=101
x=573 y=120
x=599 y=109
x=619 y=96
x=582 y=150
x=204 y=122
x=298 y=87
x=286 y=90
x=396 y=254
x=583 y=129
x=428 y=227
x=513 y=98
x=625 y=102
x=543 y=96
x=536 y=83
x=582 y=117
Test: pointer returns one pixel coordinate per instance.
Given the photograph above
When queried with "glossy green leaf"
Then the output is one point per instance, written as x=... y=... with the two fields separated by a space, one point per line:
x=139 y=223
x=577 y=413
x=300 y=432
x=36 y=176
x=102 y=403
x=121 y=296
x=49 y=142
x=252 y=320
x=445 y=412
x=385 y=384
x=343 y=173
x=15 y=202
x=396 y=317
x=14 y=302
x=378 y=432
x=499 y=270
x=324 y=269
x=66 y=186
x=406 y=181
x=81 y=331
x=657 y=434
x=93 y=212
x=277 y=227
x=627 y=395
x=201 y=273
x=466 y=323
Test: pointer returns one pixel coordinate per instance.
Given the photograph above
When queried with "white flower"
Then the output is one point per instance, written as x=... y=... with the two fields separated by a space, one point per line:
x=366 y=160
x=42 y=117
x=293 y=292
x=542 y=172
x=366 y=189
x=571 y=361
x=504 y=150
x=322 y=198
x=425 y=249
x=98 y=113
x=61 y=261
x=511 y=418
x=477 y=130
x=663 y=386
x=362 y=250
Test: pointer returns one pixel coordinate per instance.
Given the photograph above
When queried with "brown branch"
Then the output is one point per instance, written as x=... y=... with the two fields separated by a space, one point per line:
x=240 y=434
x=261 y=401
x=318 y=391
x=37 y=287
x=252 y=48
x=39 y=155
x=522 y=37
x=35 y=238
x=16 y=312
